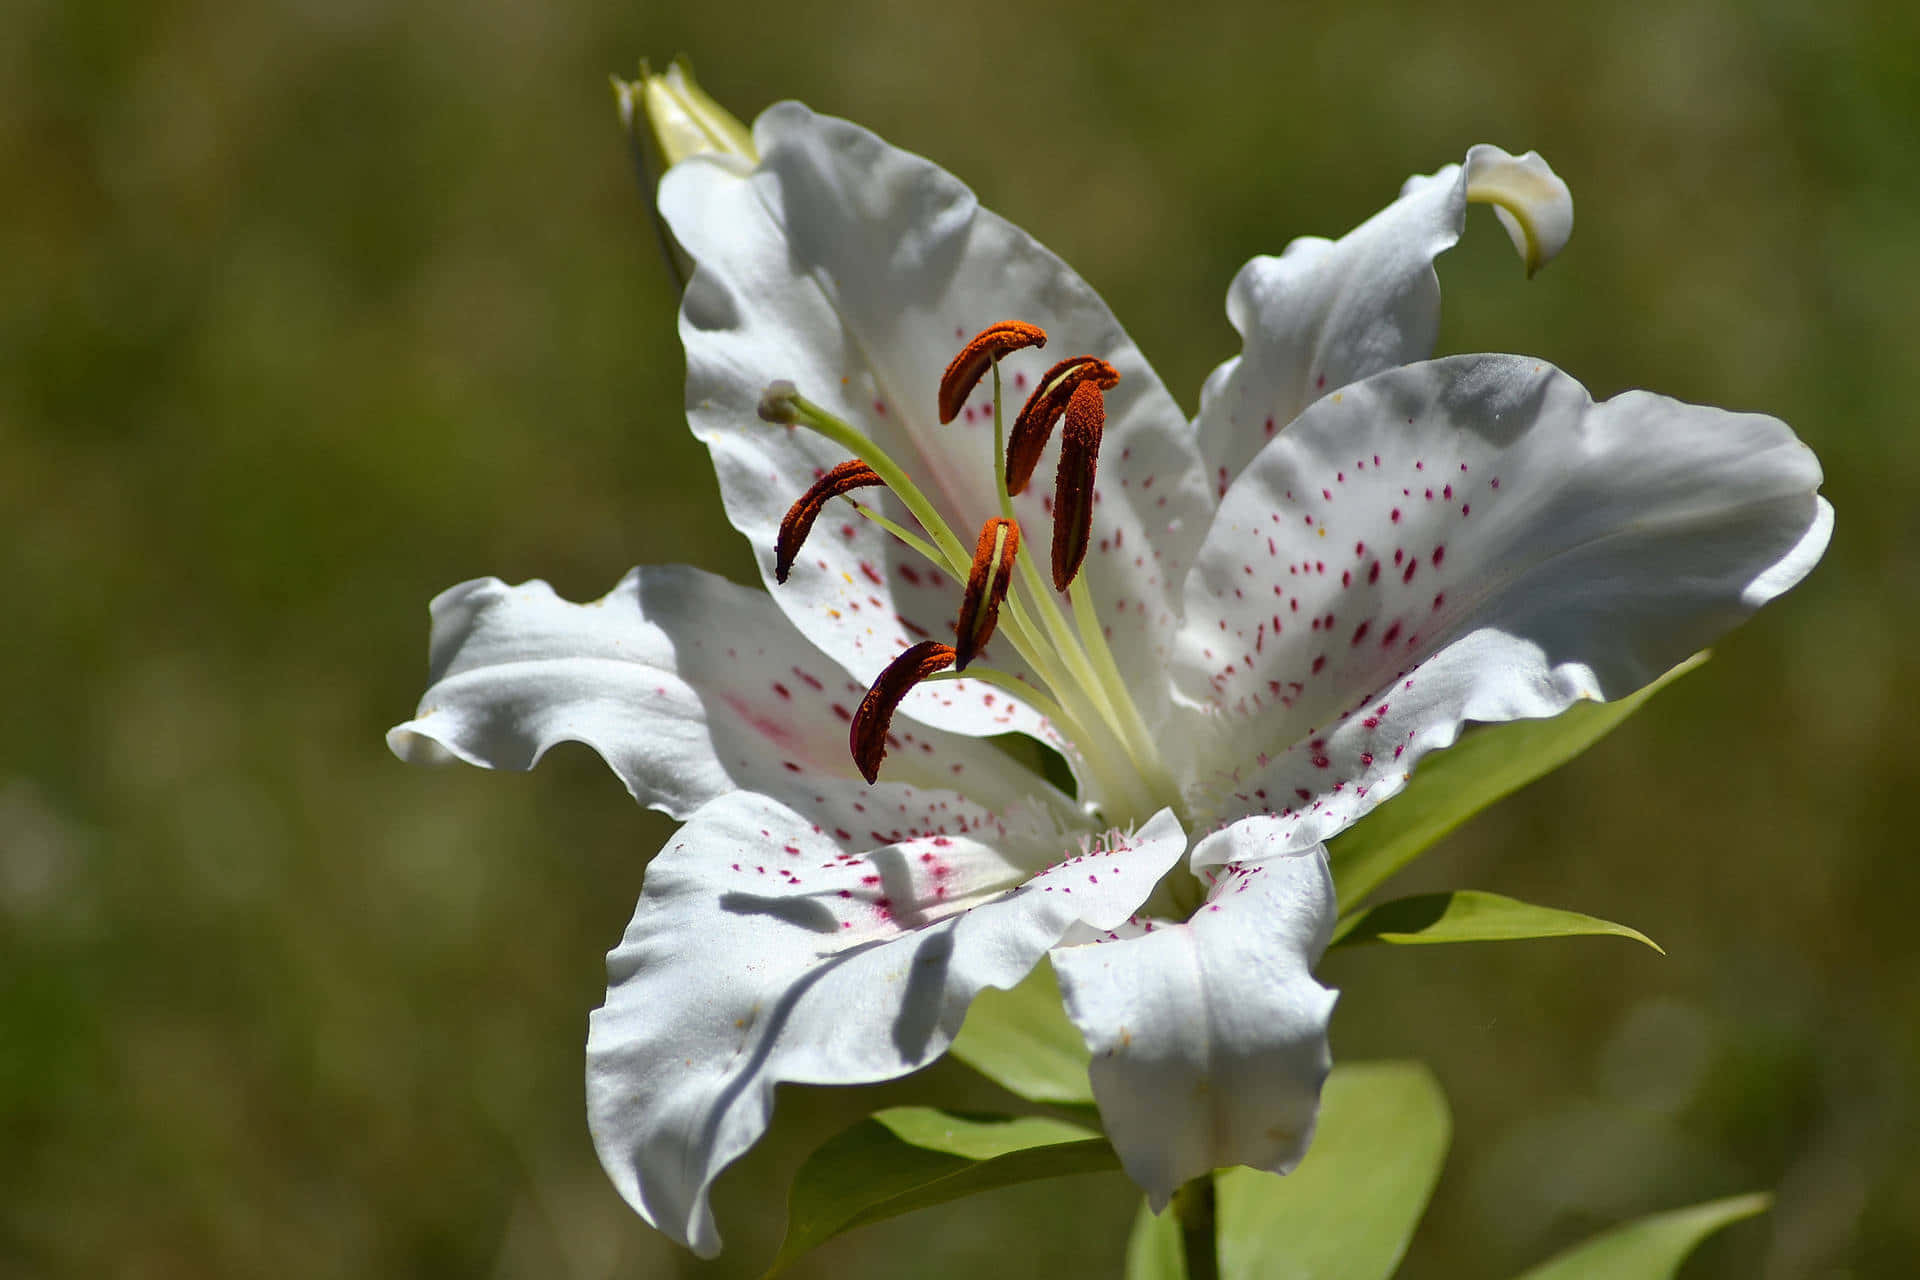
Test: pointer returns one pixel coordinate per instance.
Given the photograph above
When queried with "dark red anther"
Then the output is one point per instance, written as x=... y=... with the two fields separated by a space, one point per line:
x=987 y=585
x=1044 y=407
x=867 y=739
x=992 y=342
x=798 y=522
x=1073 y=481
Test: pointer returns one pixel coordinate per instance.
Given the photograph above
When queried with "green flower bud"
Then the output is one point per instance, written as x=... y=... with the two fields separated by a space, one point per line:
x=675 y=118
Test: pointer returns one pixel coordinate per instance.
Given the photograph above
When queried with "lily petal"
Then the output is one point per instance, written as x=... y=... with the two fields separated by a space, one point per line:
x=1329 y=312
x=1471 y=539
x=1209 y=1038
x=689 y=686
x=762 y=953
x=856 y=270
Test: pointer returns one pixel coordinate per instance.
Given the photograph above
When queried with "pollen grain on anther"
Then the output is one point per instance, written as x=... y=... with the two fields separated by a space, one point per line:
x=991 y=343
x=798 y=522
x=867 y=737
x=1043 y=408
x=987 y=585
x=1073 y=482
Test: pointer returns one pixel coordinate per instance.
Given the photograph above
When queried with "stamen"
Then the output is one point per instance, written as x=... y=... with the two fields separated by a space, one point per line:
x=1073 y=481
x=992 y=342
x=1044 y=407
x=987 y=585
x=798 y=522
x=867 y=739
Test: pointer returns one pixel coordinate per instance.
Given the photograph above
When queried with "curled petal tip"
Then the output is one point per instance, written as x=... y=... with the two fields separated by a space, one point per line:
x=1528 y=197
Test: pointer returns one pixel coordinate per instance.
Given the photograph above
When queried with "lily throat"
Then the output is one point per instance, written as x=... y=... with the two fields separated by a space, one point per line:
x=1067 y=672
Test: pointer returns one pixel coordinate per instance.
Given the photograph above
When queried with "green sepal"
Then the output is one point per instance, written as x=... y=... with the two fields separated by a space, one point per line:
x=1650 y=1248
x=1488 y=763
x=1022 y=1041
x=908 y=1158
x=1349 y=1210
x=1466 y=915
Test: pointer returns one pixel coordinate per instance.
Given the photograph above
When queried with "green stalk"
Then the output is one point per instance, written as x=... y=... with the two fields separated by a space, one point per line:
x=1193 y=1205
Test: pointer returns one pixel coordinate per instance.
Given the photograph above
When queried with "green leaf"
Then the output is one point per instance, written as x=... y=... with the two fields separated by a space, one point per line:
x=909 y=1158
x=1650 y=1248
x=1154 y=1249
x=1450 y=786
x=1022 y=1041
x=1349 y=1210
x=1466 y=915
x=977 y=1137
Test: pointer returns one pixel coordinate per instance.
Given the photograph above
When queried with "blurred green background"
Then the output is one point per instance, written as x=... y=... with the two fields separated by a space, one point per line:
x=314 y=308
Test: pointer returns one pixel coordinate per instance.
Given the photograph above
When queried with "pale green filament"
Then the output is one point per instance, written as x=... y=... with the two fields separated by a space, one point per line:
x=1114 y=778
x=1000 y=449
x=927 y=550
x=1101 y=677
x=1043 y=603
x=854 y=442
x=1088 y=700
x=1012 y=684
x=1145 y=753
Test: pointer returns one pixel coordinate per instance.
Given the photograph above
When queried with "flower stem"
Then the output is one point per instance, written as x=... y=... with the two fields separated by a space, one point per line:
x=1193 y=1205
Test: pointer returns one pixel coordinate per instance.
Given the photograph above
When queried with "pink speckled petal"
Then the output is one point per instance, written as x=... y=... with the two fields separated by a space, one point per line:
x=1209 y=1037
x=1470 y=539
x=763 y=953
x=856 y=271
x=1329 y=312
x=690 y=687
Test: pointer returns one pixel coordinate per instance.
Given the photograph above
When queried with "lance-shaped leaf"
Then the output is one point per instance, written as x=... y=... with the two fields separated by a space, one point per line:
x=1349 y=1210
x=1486 y=765
x=1466 y=915
x=1021 y=1040
x=909 y=1158
x=1650 y=1248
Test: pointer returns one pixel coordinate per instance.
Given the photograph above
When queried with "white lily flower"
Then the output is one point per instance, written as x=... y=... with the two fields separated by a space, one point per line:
x=1274 y=611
